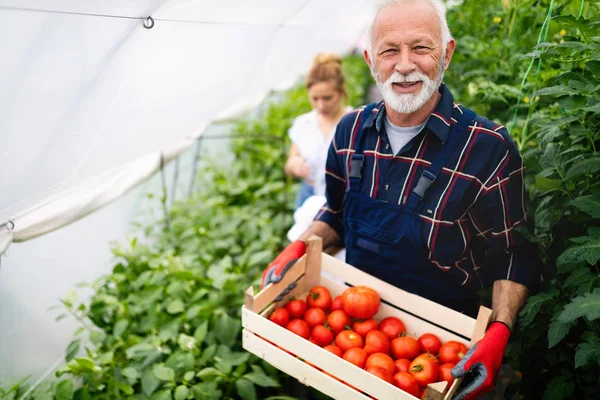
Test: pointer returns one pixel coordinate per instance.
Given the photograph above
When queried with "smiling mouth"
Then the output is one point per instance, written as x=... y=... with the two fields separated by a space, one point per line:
x=406 y=84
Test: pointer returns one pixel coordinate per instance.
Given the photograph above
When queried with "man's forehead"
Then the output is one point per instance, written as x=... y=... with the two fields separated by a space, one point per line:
x=419 y=16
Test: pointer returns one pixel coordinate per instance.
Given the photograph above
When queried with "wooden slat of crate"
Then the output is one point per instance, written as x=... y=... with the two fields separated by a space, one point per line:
x=302 y=371
x=321 y=358
x=434 y=312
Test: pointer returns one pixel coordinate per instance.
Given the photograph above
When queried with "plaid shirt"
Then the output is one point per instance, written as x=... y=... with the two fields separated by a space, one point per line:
x=471 y=211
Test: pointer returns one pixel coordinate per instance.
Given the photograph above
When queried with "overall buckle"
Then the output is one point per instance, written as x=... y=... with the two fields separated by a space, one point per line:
x=356 y=164
x=425 y=181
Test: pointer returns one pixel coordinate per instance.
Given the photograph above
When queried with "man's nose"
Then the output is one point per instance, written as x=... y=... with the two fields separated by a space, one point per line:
x=405 y=64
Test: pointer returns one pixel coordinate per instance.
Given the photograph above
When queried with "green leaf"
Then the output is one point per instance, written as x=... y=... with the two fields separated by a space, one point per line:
x=175 y=307
x=559 y=90
x=556 y=332
x=588 y=249
x=207 y=390
x=163 y=373
x=588 y=204
x=181 y=393
x=533 y=306
x=186 y=342
x=210 y=374
x=228 y=329
x=189 y=375
x=261 y=379
x=586 y=353
x=120 y=327
x=546 y=184
x=162 y=395
x=558 y=389
x=72 y=350
x=149 y=383
x=587 y=306
x=200 y=332
x=245 y=389
x=587 y=166
x=64 y=390
x=130 y=373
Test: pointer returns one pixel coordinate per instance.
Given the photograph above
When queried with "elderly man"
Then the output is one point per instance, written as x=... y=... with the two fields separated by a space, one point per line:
x=424 y=193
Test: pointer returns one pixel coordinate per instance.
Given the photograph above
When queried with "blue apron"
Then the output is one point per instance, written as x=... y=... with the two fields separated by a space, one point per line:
x=385 y=240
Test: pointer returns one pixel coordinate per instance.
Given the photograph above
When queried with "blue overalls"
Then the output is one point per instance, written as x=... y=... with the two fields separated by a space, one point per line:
x=385 y=240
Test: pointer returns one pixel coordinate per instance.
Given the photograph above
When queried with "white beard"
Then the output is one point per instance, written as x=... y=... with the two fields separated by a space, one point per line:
x=409 y=103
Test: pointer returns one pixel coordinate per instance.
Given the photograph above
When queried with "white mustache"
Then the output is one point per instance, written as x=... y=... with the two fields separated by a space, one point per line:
x=397 y=77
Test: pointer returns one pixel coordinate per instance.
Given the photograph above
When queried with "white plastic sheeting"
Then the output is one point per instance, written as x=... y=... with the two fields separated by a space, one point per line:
x=90 y=101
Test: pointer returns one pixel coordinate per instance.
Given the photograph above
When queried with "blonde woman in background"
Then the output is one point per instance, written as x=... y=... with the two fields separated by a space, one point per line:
x=311 y=133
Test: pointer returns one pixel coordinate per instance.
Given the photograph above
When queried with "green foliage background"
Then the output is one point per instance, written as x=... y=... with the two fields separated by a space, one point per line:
x=150 y=329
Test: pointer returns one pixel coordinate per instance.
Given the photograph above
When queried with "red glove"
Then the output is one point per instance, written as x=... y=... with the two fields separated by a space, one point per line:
x=283 y=262
x=483 y=360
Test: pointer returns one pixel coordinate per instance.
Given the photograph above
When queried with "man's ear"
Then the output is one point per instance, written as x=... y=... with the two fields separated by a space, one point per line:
x=367 y=58
x=449 y=52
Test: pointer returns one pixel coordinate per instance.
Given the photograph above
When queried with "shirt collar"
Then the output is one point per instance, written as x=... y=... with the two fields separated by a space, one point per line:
x=438 y=122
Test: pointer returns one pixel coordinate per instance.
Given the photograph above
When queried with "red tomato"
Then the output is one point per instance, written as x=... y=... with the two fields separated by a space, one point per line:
x=333 y=349
x=406 y=382
x=402 y=365
x=429 y=343
x=362 y=326
x=361 y=302
x=338 y=321
x=423 y=393
x=280 y=316
x=348 y=339
x=337 y=304
x=356 y=356
x=428 y=356
x=315 y=316
x=296 y=308
x=380 y=373
x=445 y=374
x=319 y=297
x=299 y=327
x=321 y=335
x=383 y=361
x=377 y=342
x=392 y=326
x=424 y=371
x=405 y=347
x=451 y=352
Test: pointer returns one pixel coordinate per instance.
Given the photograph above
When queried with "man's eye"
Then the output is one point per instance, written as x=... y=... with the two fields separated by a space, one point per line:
x=326 y=98
x=421 y=48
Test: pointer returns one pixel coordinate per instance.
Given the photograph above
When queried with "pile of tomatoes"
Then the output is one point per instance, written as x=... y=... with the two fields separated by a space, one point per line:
x=344 y=326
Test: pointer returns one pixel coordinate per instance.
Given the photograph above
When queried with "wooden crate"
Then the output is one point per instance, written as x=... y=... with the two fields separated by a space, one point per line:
x=317 y=268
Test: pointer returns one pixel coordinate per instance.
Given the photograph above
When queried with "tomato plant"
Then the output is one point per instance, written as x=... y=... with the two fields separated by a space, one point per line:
x=361 y=302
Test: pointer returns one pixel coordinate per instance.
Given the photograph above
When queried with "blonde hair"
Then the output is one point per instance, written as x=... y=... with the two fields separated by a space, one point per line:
x=327 y=67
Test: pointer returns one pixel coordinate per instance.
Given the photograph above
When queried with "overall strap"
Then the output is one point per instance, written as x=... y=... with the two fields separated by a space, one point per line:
x=357 y=159
x=457 y=132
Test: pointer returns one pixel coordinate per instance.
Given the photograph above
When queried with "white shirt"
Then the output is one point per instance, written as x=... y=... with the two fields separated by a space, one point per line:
x=399 y=136
x=313 y=147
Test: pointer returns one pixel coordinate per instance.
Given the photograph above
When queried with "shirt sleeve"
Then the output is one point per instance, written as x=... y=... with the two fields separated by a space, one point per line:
x=497 y=214
x=335 y=184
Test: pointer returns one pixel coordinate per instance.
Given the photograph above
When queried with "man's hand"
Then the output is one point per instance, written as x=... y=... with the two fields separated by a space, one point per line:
x=283 y=262
x=483 y=360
